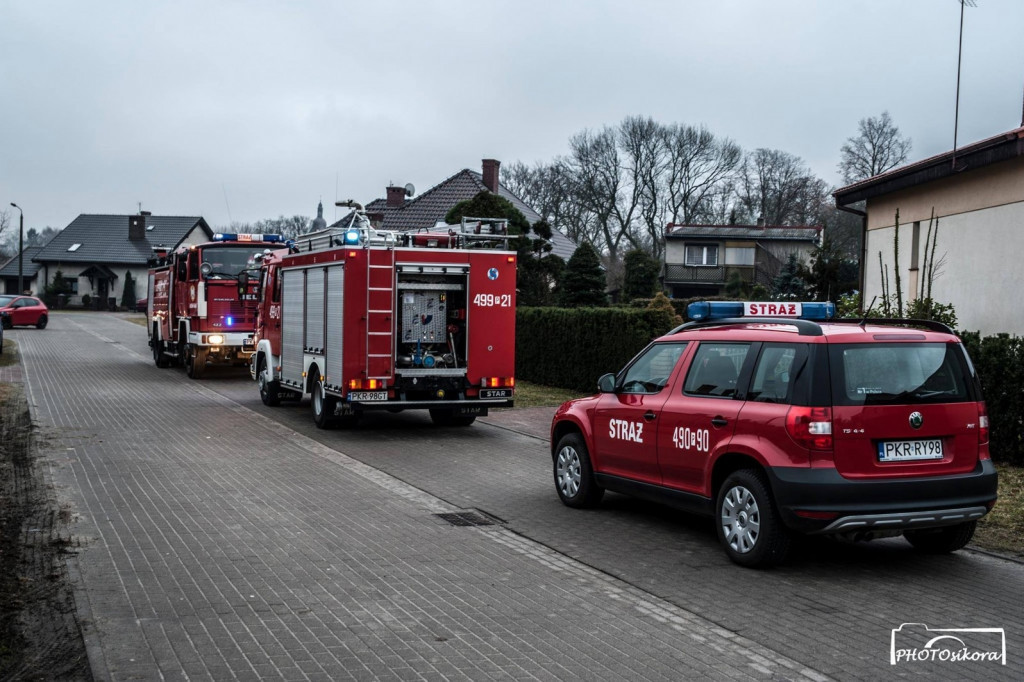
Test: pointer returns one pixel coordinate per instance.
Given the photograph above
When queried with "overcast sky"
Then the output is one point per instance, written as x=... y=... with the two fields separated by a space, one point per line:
x=249 y=110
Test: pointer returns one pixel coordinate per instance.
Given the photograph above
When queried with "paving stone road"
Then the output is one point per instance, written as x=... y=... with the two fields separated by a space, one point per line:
x=219 y=544
x=210 y=556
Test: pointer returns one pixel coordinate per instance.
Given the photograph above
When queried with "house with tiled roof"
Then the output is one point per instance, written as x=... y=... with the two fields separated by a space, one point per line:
x=9 y=273
x=976 y=193
x=95 y=252
x=399 y=212
x=701 y=259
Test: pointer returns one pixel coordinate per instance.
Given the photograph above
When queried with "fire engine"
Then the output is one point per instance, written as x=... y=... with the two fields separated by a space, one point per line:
x=362 y=319
x=197 y=312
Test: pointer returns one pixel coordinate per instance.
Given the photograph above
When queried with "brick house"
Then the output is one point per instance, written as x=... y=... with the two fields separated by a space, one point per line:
x=400 y=213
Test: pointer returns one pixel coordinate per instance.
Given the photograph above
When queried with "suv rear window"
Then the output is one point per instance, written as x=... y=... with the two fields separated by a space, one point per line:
x=898 y=374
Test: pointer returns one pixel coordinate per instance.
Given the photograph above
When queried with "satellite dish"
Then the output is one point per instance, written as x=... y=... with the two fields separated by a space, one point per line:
x=409 y=189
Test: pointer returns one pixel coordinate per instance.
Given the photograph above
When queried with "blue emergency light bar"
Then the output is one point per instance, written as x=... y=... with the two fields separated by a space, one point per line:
x=243 y=237
x=717 y=310
x=352 y=237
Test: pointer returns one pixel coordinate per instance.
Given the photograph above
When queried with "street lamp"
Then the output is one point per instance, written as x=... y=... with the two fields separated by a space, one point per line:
x=21 y=246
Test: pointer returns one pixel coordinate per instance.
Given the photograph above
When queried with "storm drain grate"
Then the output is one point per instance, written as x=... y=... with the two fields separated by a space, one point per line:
x=467 y=518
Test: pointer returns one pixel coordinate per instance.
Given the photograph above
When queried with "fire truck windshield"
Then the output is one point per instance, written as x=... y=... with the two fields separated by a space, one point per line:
x=227 y=261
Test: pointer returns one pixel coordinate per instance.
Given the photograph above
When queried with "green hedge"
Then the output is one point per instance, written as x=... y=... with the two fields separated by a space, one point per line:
x=999 y=360
x=572 y=347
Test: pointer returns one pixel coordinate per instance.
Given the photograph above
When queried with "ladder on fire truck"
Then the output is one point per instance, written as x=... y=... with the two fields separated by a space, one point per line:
x=380 y=309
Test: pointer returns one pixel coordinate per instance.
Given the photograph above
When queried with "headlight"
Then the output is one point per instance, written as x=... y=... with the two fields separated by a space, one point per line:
x=215 y=339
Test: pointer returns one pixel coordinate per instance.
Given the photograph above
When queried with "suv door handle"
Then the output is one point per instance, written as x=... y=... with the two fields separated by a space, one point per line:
x=719 y=421
x=649 y=415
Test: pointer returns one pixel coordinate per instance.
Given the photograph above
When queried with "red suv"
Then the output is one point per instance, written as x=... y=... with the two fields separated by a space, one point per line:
x=782 y=425
x=24 y=311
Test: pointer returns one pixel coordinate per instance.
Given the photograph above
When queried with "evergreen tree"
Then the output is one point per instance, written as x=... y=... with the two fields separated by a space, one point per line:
x=583 y=279
x=790 y=282
x=128 y=296
x=640 y=279
x=489 y=205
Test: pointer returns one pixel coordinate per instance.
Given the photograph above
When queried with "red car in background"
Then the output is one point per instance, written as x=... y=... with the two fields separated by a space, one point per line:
x=23 y=311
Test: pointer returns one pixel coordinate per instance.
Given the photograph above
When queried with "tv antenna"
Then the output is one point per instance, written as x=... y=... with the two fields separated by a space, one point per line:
x=959 y=55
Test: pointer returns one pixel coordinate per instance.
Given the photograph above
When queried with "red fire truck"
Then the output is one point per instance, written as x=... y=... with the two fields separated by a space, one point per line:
x=363 y=320
x=197 y=308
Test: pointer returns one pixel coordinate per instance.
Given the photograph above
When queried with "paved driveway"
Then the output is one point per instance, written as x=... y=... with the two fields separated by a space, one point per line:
x=230 y=540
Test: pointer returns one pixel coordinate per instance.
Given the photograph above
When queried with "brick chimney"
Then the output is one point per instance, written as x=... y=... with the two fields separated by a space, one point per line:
x=137 y=226
x=491 y=167
x=396 y=196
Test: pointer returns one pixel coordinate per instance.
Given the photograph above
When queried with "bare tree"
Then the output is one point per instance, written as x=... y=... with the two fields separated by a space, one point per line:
x=878 y=147
x=595 y=162
x=5 y=221
x=780 y=188
x=551 y=190
x=643 y=143
x=698 y=169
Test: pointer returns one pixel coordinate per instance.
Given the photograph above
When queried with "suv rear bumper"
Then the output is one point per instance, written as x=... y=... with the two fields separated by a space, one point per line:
x=873 y=505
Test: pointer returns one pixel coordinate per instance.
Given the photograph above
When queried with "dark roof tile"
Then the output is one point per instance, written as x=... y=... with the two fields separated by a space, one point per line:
x=104 y=239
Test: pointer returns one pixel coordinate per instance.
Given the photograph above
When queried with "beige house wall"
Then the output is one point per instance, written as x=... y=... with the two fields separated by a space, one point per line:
x=995 y=185
x=980 y=247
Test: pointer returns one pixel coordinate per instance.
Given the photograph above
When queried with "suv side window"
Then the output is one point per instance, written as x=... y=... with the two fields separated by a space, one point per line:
x=775 y=373
x=651 y=370
x=715 y=369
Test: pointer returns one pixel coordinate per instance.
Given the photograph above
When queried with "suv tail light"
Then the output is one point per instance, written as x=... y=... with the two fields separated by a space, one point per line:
x=982 y=424
x=811 y=427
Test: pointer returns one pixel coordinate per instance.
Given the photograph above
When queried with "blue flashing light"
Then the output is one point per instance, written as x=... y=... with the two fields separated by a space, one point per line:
x=352 y=237
x=246 y=237
x=230 y=321
x=717 y=310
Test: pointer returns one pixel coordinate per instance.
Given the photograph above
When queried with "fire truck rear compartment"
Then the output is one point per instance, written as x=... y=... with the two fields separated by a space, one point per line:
x=431 y=330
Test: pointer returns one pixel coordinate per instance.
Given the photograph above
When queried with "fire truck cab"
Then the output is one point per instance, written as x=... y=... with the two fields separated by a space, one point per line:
x=197 y=308
x=363 y=320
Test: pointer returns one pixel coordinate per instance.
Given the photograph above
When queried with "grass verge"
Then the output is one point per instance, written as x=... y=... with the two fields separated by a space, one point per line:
x=1002 y=529
x=535 y=395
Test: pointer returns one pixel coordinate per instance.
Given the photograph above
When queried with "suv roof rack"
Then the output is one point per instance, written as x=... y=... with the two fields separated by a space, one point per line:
x=931 y=325
x=804 y=327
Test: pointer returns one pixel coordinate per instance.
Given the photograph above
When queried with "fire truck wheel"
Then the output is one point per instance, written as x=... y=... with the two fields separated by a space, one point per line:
x=196 y=363
x=324 y=405
x=269 y=393
x=159 y=358
x=442 y=417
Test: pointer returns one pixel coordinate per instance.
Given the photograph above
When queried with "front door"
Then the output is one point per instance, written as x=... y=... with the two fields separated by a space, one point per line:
x=626 y=421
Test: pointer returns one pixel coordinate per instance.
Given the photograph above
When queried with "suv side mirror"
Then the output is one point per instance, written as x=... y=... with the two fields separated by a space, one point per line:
x=606 y=384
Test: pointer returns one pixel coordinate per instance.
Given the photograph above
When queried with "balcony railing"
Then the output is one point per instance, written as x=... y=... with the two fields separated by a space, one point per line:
x=703 y=274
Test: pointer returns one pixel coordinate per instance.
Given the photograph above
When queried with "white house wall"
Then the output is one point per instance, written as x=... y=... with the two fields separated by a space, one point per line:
x=978 y=265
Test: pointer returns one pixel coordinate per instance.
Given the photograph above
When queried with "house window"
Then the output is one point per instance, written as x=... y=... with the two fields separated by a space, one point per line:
x=739 y=255
x=74 y=247
x=71 y=284
x=702 y=254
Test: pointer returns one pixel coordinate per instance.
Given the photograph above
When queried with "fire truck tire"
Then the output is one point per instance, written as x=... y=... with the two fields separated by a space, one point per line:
x=269 y=390
x=195 y=364
x=442 y=417
x=159 y=359
x=323 y=405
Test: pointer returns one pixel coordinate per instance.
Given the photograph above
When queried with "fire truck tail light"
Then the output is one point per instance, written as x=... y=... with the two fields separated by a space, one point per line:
x=511 y=259
x=365 y=384
x=498 y=382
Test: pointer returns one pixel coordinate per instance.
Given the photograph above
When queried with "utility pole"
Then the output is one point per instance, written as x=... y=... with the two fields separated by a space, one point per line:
x=21 y=247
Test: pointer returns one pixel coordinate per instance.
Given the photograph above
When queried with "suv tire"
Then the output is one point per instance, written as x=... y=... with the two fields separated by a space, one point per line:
x=748 y=523
x=574 y=475
x=941 y=540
